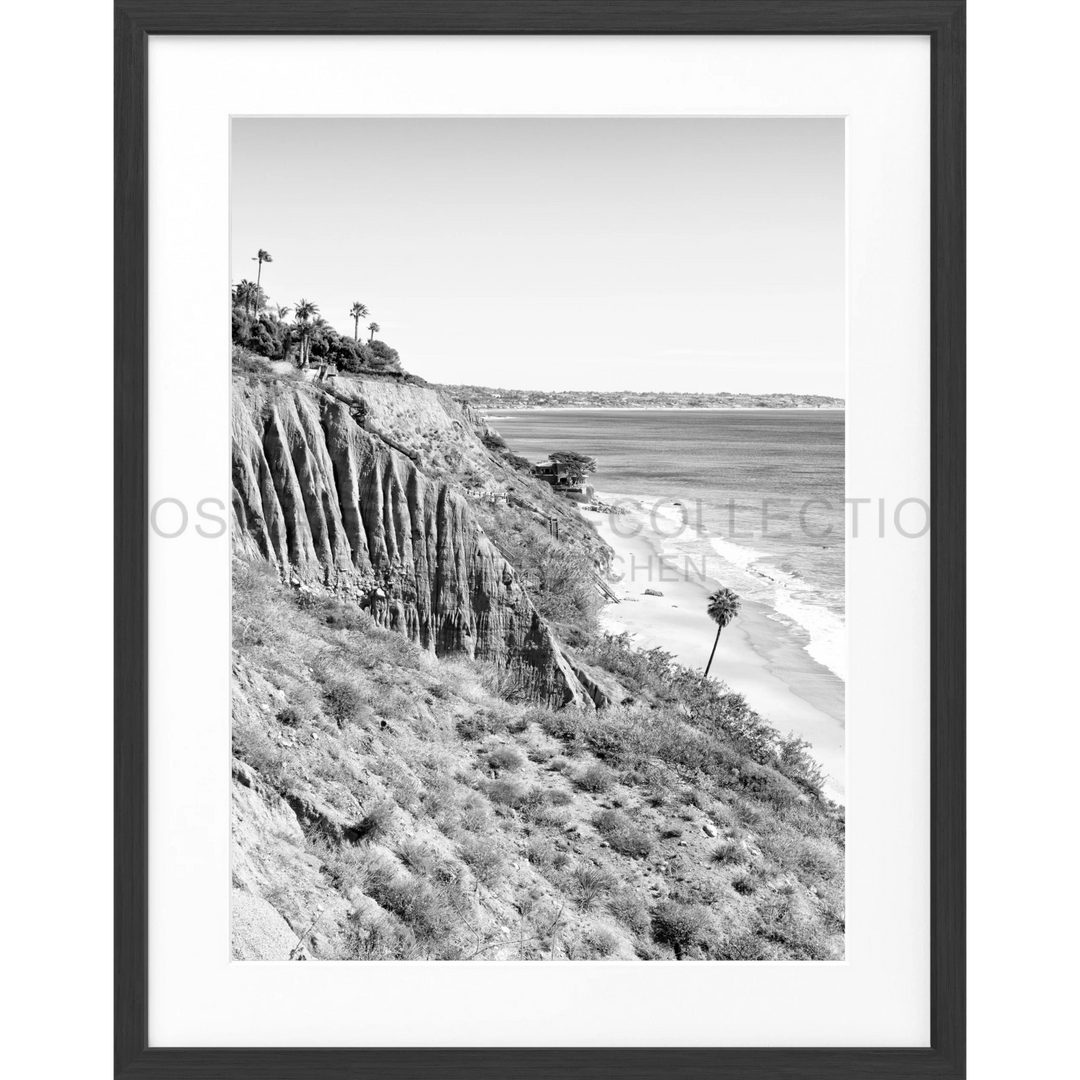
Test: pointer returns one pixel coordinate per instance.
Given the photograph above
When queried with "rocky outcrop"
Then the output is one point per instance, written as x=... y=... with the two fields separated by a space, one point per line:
x=331 y=504
x=602 y=687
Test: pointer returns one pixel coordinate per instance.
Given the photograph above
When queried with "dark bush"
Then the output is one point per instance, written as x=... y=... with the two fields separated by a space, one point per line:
x=289 y=716
x=522 y=464
x=376 y=824
x=743 y=884
x=343 y=701
x=262 y=335
x=384 y=358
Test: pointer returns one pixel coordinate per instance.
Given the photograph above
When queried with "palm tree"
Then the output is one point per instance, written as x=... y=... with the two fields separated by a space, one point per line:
x=247 y=293
x=282 y=311
x=263 y=256
x=723 y=607
x=358 y=311
x=305 y=312
x=374 y=328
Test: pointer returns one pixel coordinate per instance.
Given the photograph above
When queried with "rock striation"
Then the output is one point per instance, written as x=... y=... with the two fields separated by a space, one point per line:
x=326 y=499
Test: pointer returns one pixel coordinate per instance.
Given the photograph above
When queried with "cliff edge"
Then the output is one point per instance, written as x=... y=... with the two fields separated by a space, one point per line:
x=326 y=492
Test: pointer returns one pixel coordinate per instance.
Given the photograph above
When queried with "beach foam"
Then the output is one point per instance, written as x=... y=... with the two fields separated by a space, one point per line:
x=751 y=573
x=759 y=655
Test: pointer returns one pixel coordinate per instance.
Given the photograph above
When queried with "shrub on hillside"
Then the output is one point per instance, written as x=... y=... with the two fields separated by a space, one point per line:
x=563 y=724
x=730 y=853
x=600 y=941
x=505 y=759
x=246 y=362
x=376 y=824
x=588 y=884
x=522 y=464
x=343 y=700
x=252 y=745
x=425 y=908
x=484 y=858
x=743 y=884
x=289 y=716
x=474 y=814
x=622 y=834
x=596 y=778
x=681 y=926
x=418 y=857
x=629 y=909
x=510 y=793
x=560 y=575
x=540 y=851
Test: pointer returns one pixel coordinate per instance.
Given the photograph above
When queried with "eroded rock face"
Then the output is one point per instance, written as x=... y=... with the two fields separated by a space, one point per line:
x=602 y=687
x=333 y=506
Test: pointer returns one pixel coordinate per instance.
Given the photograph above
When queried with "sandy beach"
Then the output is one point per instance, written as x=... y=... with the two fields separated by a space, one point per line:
x=758 y=656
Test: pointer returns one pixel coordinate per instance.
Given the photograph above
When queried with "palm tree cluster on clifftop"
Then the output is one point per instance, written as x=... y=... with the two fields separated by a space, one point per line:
x=305 y=314
x=358 y=311
x=262 y=328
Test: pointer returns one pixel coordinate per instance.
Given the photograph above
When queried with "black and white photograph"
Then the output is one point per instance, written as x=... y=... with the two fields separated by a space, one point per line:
x=538 y=539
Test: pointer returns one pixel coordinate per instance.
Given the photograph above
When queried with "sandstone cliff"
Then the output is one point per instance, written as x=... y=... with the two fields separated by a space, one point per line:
x=342 y=492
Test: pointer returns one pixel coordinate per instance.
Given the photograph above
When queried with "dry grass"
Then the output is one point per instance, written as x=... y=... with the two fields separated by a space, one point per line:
x=448 y=822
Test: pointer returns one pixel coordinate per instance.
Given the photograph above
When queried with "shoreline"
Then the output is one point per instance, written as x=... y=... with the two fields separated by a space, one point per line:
x=757 y=656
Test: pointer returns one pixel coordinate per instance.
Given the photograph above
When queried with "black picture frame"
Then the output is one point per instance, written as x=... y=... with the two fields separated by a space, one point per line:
x=944 y=22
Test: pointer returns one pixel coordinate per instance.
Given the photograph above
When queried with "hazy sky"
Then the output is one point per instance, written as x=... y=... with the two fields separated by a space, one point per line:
x=639 y=254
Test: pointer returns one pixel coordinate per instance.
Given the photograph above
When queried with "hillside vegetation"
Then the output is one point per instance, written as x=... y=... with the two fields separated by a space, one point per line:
x=420 y=767
x=392 y=805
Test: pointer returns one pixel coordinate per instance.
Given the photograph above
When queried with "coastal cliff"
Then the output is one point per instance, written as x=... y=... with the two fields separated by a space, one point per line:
x=324 y=493
x=438 y=754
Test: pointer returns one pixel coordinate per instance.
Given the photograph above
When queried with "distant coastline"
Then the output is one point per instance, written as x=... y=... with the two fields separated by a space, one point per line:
x=493 y=399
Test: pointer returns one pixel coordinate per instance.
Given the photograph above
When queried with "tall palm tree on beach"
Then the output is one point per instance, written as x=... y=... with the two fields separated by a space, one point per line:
x=723 y=607
x=374 y=328
x=263 y=256
x=358 y=311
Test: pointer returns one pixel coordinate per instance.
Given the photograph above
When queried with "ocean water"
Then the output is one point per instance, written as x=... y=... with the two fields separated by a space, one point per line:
x=752 y=499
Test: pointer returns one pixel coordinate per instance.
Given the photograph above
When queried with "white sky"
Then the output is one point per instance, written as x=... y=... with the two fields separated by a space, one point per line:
x=640 y=254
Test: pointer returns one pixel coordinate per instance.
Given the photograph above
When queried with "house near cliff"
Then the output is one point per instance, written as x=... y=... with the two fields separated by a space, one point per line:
x=564 y=478
x=555 y=473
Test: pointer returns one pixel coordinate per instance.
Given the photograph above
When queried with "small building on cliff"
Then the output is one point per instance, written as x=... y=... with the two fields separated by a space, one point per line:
x=564 y=478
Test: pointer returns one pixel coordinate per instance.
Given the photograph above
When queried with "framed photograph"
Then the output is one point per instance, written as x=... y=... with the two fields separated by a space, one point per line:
x=540 y=539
